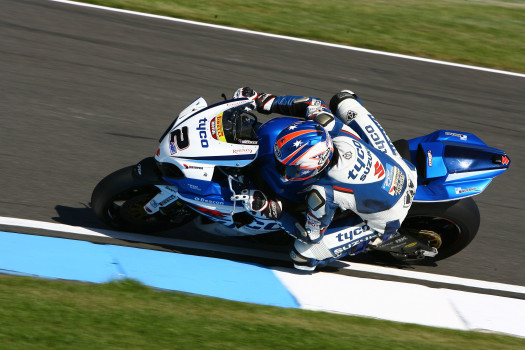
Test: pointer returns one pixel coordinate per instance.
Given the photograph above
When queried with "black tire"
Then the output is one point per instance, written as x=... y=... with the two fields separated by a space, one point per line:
x=118 y=200
x=456 y=223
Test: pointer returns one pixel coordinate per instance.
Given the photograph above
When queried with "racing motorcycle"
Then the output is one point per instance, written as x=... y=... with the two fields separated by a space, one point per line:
x=210 y=155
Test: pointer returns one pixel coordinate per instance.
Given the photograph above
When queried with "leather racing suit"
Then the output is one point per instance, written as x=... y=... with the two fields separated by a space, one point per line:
x=366 y=176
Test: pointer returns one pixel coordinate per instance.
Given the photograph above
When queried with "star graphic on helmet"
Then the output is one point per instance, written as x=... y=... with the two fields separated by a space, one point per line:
x=297 y=143
x=292 y=127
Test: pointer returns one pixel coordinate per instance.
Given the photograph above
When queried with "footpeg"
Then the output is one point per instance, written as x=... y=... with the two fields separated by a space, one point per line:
x=404 y=246
x=430 y=254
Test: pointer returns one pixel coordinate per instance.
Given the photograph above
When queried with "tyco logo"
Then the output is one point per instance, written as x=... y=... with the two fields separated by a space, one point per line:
x=202 y=133
x=361 y=168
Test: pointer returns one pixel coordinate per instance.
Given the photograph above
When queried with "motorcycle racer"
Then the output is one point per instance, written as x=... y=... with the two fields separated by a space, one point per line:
x=355 y=167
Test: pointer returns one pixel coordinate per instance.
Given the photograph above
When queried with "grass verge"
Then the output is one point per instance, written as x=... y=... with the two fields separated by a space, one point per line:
x=50 y=314
x=480 y=32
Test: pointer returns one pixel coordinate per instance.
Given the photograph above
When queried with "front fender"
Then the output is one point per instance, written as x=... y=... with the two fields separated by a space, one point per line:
x=147 y=171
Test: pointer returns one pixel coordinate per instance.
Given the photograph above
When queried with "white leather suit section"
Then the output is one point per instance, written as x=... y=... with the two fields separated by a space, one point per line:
x=361 y=176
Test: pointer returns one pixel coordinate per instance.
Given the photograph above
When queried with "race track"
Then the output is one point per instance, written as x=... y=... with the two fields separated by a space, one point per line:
x=86 y=92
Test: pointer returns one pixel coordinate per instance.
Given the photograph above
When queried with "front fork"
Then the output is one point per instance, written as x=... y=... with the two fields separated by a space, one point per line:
x=168 y=194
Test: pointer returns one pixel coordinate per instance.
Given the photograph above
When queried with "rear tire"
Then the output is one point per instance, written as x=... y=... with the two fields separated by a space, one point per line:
x=456 y=223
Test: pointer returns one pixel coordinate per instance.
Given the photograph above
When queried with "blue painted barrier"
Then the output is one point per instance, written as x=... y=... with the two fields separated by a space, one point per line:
x=84 y=261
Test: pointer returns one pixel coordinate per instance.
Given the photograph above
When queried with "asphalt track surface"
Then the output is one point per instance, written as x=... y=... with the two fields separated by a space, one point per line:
x=85 y=92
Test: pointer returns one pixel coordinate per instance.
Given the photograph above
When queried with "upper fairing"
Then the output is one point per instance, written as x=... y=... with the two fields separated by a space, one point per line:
x=196 y=143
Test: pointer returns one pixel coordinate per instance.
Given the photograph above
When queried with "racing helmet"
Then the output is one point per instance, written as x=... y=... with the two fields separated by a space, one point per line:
x=302 y=151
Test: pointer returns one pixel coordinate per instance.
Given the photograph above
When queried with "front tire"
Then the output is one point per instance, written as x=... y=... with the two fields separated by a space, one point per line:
x=118 y=201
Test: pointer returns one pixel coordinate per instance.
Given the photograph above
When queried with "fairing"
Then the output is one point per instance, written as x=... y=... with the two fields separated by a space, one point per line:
x=196 y=141
x=453 y=165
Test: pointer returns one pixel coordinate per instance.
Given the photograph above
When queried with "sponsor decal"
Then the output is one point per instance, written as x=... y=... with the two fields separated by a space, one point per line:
x=192 y=167
x=505 y=160
x=394 y=180
x=380 y=144
x=351 y=234
x=460 y=190
x=356 y=237
x=379 y=169
x=202 y=133
x=219 y=127
x=207 y=201
x=277 y=151
x=379 y=137
x=237 y=103
x=460 y=136
x=173 y=148
x=171 y=189
x=429 y=157
x=213 y=128
x=242 y=150
x=247 y=142
x=313 y=110
x=167 y=200
x=348 y=155
x=350 y=115
x=399 y=182
x=316 y=102
x=275 y=210
x=323 y=157
x=409 y=195
x=363 y=163
x=194 y=187
x=312 y=223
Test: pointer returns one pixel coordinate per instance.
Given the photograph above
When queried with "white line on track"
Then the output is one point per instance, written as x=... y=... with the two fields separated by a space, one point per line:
x=135 y=237
x=436 y=278
x=257 y=253
x=344 y=47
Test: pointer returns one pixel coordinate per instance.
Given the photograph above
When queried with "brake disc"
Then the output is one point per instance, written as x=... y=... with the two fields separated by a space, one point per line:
x=433 y=238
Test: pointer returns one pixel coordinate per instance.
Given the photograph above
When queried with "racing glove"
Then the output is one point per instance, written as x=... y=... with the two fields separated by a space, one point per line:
x=258 y=204
x=263 y=102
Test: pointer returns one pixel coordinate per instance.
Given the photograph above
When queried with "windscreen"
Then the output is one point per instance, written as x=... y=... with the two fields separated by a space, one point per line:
x=235 y=125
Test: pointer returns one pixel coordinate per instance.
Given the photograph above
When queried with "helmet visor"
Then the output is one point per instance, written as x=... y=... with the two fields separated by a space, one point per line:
x=288 y=172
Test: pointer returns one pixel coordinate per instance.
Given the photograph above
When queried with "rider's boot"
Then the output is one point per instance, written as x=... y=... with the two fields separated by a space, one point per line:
x=403 y=246
x=308 y=256
x=303 y=263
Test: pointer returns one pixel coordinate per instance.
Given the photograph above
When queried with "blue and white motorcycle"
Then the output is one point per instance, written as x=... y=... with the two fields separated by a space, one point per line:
x=210 y=155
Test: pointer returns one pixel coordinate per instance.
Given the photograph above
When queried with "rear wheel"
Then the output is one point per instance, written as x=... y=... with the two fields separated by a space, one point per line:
x=447 y=226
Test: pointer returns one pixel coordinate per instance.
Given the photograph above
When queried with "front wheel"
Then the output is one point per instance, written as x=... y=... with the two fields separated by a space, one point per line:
x=447 y=226
x=119 y=199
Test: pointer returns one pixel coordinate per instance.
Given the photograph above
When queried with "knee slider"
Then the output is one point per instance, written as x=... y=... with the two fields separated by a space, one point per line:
x=340 y=97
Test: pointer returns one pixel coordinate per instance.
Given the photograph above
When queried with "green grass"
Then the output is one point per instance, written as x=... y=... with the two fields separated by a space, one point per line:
x=49 y=314
x=479 y=32
x=45 y=314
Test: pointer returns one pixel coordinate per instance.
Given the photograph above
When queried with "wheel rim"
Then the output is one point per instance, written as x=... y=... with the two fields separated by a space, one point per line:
x=127 y=209
x=133 y=211
x=437 y=231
